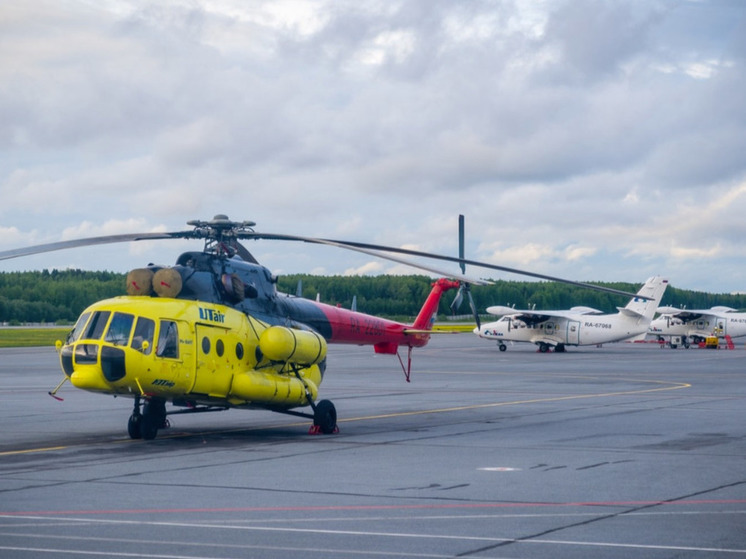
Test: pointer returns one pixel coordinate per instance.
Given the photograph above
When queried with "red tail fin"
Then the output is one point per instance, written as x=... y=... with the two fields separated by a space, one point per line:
x=426 y=317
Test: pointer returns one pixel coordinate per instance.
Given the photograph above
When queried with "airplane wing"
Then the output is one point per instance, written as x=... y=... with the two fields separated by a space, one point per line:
x=501 y=310
x=536 y=317
x=689 y=315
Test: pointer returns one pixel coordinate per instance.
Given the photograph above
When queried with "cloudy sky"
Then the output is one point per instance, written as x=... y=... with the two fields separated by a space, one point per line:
x=588 y=139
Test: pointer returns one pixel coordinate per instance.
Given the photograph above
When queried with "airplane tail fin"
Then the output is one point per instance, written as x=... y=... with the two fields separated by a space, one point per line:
x=645 y=308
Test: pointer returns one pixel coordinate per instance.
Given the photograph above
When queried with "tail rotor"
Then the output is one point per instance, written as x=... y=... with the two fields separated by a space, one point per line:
x=464 y=287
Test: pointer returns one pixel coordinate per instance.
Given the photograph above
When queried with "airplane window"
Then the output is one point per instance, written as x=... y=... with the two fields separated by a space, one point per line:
x=219 y=348
x=143 y=333
x=119 y=329
x=78 y=329
x=96 y=325
x=168 y=340
x=205 y=345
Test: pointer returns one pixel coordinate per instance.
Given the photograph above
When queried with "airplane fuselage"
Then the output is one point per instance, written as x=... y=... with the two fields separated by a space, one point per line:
x=718 y=324
x=562 y=331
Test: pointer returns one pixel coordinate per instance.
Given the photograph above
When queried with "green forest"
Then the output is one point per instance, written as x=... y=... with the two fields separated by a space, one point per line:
x=58 y=297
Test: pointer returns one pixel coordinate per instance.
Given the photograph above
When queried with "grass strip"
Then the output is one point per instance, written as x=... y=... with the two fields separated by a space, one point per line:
x=31 y=337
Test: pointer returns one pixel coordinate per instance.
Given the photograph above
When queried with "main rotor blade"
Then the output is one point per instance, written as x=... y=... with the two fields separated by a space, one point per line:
x=377 y=254
x=496 y=267
x=366 y=248
x=361 y=247
x=91 y=241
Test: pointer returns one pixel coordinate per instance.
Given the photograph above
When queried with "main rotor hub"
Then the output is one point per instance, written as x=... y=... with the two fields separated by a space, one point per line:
x=221 y=234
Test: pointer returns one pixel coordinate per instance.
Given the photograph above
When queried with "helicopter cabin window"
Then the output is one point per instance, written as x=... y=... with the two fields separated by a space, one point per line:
x=219 y=348
x=96 y=326
x=119 y=329
x=239 y=350
x=143 y=333
x=168 y=340
x=205 y=345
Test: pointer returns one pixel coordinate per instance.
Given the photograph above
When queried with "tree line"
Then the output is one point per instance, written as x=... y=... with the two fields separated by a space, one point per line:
x=60 y=296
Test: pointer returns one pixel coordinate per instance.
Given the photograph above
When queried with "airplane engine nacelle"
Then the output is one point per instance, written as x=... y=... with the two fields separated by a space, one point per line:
x=287 y=345
x=264 y=387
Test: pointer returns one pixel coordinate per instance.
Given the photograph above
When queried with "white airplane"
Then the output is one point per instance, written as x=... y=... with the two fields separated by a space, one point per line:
x=693 y=326
x=577 y=326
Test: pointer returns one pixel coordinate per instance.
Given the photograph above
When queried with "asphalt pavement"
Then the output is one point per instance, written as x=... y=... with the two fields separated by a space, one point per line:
x=624 y=451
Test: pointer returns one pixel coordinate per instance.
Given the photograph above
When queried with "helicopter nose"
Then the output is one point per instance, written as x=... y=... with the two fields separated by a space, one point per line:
x=95 y=367
x=89 y=377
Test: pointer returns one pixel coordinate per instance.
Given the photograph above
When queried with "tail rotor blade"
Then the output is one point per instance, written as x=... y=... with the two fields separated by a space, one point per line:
x=461 y=251
x=458 y=299
x=474 y=309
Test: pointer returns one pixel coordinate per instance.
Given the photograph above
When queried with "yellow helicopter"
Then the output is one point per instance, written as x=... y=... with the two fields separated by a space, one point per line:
x=212 y=332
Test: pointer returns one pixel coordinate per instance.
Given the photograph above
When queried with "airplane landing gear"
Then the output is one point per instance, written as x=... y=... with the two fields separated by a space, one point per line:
x=502 y=347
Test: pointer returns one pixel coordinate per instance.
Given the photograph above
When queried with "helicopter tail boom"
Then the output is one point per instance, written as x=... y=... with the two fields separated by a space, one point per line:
x=350 y=327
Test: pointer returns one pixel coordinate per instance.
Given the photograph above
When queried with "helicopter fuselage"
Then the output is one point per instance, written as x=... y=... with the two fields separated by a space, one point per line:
x=191 y=352
x=214 y=333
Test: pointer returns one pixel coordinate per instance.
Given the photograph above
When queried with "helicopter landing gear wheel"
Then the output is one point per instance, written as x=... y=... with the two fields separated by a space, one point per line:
x=134 y=425
x=153 y=418
x=324 y=418
x=543 y=348
x=503 y=347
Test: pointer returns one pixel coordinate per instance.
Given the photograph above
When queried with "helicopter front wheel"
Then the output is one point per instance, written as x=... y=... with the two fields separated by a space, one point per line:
x=134 y=425
x=153 y=418
x=325 y=418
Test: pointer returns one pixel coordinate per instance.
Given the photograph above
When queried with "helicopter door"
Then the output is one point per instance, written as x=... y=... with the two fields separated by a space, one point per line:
x=173 y=348
x=214 y=367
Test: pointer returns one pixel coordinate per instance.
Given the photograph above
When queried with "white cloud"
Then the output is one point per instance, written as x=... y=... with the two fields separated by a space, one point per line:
x=605 y=151
x=369 y=268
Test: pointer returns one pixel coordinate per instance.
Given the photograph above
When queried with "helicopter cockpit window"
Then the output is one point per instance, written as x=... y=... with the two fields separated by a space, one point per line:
x=96 y=325
x=168 y=340
x=143 y=333
x=78 y=329
x=119 y=329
